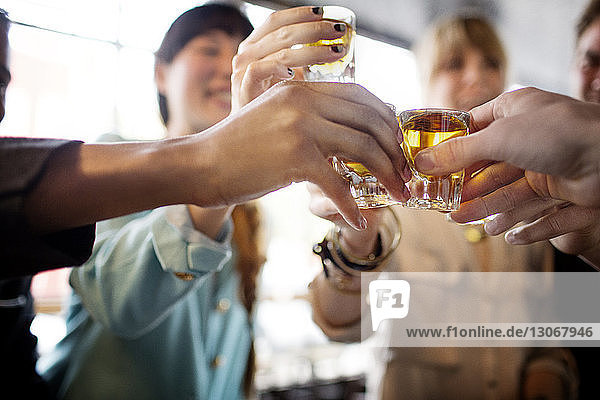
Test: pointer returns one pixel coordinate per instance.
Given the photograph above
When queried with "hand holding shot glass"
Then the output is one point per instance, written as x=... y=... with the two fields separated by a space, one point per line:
x=421 y=129
x=365 y=188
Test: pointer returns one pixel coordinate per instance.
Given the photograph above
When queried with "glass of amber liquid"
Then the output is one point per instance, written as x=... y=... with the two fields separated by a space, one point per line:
x=364 y=186
x=341 y=70
x=423 y=128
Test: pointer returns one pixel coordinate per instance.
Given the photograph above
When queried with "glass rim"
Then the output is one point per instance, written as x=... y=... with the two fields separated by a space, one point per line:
x=435 y=110
x=406 y=115
x=350 y=13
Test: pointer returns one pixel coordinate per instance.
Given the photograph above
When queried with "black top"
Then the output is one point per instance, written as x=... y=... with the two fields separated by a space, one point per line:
x=22 y=253
x=22 y=163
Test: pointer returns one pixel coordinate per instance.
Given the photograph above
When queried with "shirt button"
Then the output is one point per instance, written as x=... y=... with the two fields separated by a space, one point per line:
x=223 y=305
x=218 y=361
x=185 y=276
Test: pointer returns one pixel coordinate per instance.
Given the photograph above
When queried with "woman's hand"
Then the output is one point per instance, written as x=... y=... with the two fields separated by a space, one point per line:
x=266 y=57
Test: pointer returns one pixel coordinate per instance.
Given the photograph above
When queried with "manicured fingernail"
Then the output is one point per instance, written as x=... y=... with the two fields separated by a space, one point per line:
x=337 y=48
x=339 y=27
x=291 y=72
x=317 y=10
x=424 y=161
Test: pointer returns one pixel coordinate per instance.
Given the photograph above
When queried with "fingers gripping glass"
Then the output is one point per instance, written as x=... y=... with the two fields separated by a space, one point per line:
x=364 y=187
x=341 y=70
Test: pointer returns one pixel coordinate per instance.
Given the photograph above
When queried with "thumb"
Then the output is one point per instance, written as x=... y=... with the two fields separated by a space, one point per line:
x=449 y=156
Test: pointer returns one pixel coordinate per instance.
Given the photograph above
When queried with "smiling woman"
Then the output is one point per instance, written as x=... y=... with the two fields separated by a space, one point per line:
x=193 y=70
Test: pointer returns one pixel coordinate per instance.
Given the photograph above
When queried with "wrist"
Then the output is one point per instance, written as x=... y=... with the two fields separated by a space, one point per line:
x=384 y=241
x=360 y=243
x=342 y=268
x=192 y=176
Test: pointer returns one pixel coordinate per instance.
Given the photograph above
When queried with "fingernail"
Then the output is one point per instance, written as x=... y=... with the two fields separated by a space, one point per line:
x=424 y=161
x=291 y=72
x=363 y=223
x=339 y=27
x=512 y=237
x=317 y=10
x=490 y=227
x=337 y=48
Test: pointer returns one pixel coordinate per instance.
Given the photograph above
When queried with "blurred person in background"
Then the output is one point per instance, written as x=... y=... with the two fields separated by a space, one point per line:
x=463 y=64
x=585 y=85
x=585 y=71
x=163 y=308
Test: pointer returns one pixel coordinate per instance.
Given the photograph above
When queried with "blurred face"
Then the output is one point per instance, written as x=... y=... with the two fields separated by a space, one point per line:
x=465 y=81
x=197 y=83
x=4 y=72
x=586 y=66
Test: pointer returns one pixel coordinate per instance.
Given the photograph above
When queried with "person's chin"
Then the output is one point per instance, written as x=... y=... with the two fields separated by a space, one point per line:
x=215 y=110
x=473 y=102
x=220 y=107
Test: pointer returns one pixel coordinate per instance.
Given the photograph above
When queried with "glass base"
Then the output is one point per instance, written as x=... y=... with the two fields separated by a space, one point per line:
x=437 y=205
x=366 y=202
x=364 y=187
x=434 y=193
x=371 y=195
x=320 y=73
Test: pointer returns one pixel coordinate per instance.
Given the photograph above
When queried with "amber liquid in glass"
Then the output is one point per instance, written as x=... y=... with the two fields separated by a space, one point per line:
x=338 y=68
x=427 y=130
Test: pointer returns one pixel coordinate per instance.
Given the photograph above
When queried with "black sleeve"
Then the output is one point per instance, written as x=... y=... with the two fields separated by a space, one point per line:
x=586 y=357
x=22 y=163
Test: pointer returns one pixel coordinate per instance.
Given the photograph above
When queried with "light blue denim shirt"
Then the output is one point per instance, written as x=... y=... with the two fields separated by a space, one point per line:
x=136 y=331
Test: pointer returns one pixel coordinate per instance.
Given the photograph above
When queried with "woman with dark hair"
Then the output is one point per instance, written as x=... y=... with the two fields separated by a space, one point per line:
x=163 y=307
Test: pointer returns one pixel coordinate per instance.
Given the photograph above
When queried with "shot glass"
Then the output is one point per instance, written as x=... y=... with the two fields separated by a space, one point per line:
x=424 y=128
x=341 y=70
x=364 y=187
